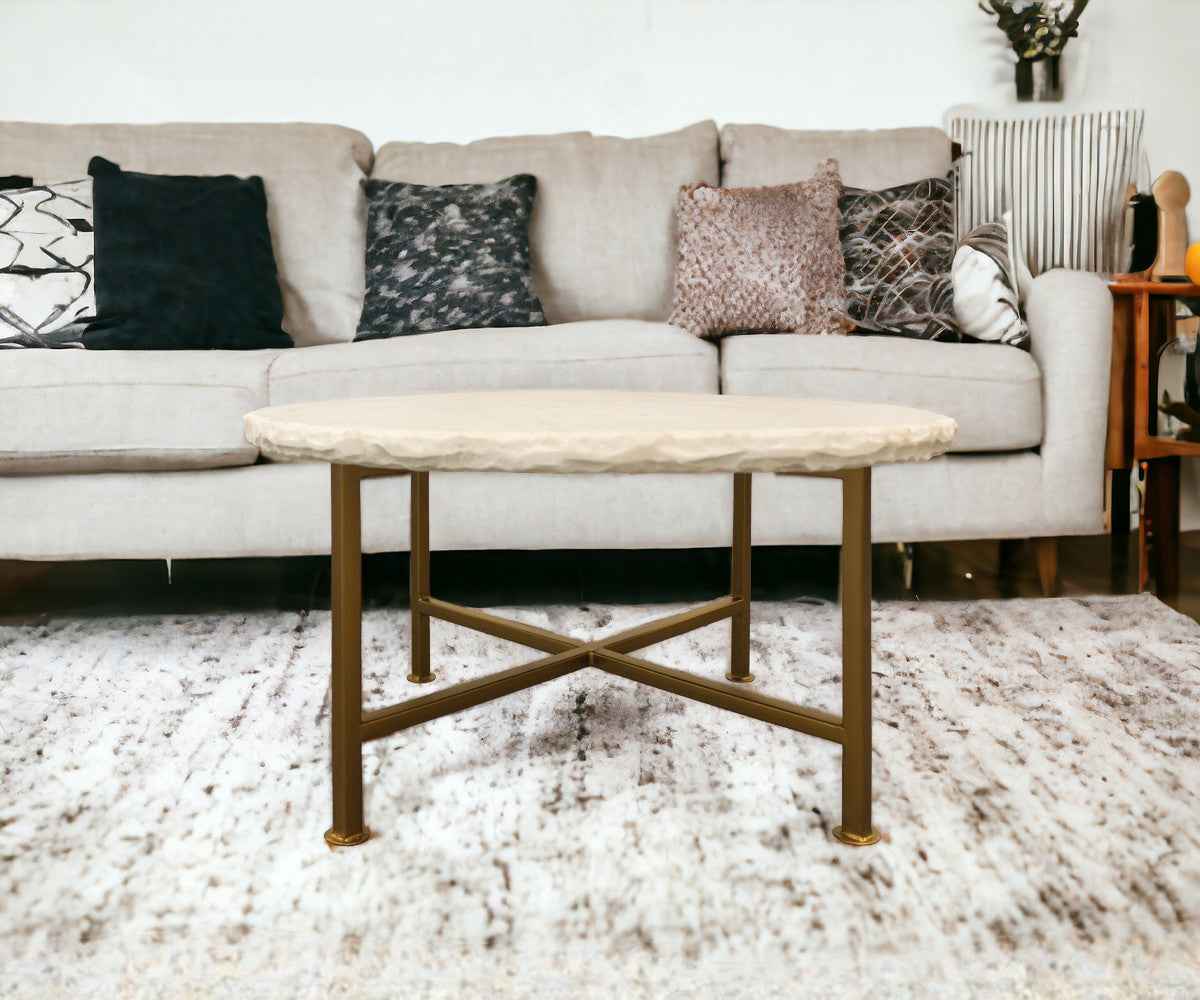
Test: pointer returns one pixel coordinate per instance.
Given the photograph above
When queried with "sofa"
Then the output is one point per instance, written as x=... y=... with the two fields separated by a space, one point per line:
x=141 y=454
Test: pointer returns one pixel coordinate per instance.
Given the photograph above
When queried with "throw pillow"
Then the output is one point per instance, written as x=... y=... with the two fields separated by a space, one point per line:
x=47 y=286
x=15 y=181
x=182 y=263
x=448 y=257
x=985 y=289
x=899 y=244
x=764 y=259
x=1019 y=270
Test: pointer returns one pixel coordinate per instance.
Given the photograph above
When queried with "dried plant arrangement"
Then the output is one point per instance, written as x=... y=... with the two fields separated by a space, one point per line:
x=1036 y=30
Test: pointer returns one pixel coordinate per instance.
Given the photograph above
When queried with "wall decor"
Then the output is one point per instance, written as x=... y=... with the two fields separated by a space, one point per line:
x=1038 y=33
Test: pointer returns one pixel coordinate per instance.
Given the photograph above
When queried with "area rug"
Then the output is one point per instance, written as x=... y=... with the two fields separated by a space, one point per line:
x=1037 y=785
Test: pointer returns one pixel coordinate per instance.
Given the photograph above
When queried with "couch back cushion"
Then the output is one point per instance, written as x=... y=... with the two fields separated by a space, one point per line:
x=311 y=173
x=754 y=155
x=602 y=234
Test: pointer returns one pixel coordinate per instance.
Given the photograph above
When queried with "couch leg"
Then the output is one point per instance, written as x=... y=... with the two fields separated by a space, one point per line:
x=1007 y=554
x=908 y=555
x=1047 y=560
x=15 y=576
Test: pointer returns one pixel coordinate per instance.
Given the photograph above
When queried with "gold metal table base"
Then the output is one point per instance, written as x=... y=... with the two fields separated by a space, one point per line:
x=352 y=726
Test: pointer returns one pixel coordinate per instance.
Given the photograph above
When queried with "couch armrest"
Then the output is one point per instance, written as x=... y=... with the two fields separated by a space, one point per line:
x=1070 y=328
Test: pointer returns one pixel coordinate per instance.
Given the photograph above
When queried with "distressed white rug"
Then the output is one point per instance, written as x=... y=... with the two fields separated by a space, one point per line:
x=1037 y=784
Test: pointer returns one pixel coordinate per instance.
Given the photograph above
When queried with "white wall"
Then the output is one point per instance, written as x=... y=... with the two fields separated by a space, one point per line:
x=463 y=69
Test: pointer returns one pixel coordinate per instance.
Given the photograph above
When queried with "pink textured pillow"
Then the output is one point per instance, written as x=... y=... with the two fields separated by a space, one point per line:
x=765 y=259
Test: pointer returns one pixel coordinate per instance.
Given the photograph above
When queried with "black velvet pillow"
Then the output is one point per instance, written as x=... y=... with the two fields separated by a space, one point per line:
x=448 y=258
x=13 y=181
x=182 y=263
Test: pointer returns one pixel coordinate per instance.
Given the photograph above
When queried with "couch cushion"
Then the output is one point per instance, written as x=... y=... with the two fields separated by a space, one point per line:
x=448 y=257
x=182 y=262
x=764 y=258
x=95 y=411
x=986 y=297
x=867 y=158
x=602 y=234
x=47 y=255
x=315 y=207
x=899 y=243
x=598 y=354
x=994 y=391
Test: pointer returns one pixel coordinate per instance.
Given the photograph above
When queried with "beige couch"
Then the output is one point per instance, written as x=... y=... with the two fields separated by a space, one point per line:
x=141 y=454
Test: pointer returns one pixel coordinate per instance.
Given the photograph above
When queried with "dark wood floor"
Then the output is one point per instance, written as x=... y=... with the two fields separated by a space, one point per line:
x=33 y=592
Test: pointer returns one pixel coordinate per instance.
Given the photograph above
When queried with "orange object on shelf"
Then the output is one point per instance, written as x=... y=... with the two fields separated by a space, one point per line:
x=1191 y=263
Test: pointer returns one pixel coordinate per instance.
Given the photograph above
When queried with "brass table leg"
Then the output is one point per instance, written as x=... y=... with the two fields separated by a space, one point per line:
x=739 y=581
x=351 y=726
x=856 y=826
x=418 y=577
x=346 y=679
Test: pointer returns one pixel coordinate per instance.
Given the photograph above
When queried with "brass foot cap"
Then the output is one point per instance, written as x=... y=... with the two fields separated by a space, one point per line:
x=335 y=839
x=855 y=839
x=421 y=679
x=743 y=678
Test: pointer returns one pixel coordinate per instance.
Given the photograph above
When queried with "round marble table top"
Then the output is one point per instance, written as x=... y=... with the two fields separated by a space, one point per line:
x=598 y=431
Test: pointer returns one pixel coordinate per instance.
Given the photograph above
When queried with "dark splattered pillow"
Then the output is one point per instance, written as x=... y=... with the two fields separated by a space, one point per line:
x=448 y=258
x=899 y=245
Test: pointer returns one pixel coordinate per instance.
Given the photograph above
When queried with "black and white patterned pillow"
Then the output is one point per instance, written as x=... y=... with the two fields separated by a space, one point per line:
x=448 y=257
x=47 y=275
x=985 y=288
x=899 y=244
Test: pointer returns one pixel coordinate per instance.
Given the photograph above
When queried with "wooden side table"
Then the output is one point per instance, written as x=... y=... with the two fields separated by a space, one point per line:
x=1143 y=324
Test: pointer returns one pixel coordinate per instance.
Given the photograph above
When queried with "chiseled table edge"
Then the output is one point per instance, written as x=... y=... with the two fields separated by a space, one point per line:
x=821 y=439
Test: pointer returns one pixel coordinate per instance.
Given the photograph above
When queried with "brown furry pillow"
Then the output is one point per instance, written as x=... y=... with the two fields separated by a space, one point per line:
x=764 y=259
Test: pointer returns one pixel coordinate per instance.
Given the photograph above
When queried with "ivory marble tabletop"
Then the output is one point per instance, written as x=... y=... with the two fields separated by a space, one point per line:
x=591 y=431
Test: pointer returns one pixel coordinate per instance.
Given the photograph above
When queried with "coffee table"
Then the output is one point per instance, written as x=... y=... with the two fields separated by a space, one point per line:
x=583 y=431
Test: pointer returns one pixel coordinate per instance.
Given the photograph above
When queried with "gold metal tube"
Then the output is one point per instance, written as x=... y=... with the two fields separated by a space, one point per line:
x=662 y=629
x=502 y=628
x=346 y=666
x=744 y=702
x=739 y=582
x=418 y=576
x=625 y=641
x=855 y=582
x=385 y=721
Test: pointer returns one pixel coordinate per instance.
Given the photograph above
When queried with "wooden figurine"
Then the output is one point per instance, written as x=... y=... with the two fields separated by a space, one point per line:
x=1171 y=192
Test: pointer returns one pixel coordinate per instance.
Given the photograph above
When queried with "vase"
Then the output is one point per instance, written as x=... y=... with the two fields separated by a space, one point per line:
x=1137 y=242
x=1039 y=79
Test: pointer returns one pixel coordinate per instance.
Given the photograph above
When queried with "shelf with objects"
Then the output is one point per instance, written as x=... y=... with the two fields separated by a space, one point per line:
x=1148 y=426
